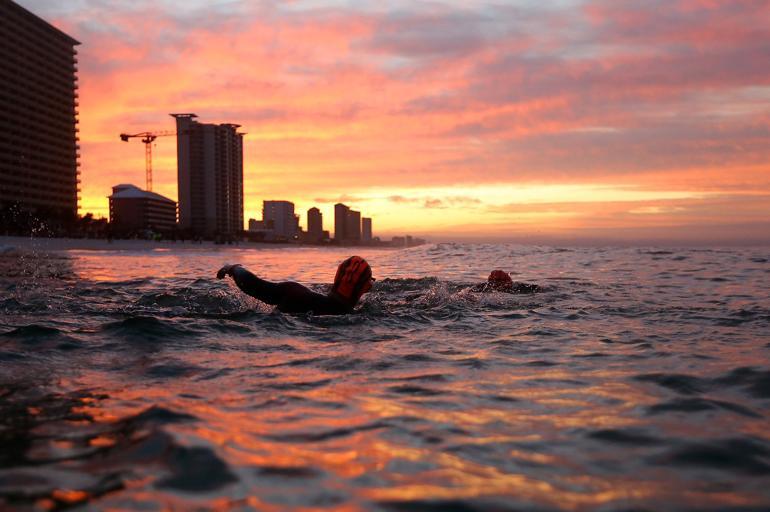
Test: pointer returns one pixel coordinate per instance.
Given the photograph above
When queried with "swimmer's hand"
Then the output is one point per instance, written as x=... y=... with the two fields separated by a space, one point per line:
x=227 y=270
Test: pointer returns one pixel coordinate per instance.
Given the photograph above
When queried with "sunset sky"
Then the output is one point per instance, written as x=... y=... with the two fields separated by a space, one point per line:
x=566 y=118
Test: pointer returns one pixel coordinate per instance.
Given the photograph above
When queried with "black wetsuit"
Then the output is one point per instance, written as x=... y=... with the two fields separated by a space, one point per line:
x=289 y=297
x=515 y=287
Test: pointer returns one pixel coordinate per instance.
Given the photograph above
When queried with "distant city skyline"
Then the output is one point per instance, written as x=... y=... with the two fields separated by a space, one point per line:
x=634 y=121
x=281 y=222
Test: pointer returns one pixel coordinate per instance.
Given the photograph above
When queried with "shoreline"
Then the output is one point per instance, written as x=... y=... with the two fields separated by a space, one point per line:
x=9 y=243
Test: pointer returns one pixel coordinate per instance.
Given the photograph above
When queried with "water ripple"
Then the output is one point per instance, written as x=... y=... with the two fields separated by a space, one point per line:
x=134 y=380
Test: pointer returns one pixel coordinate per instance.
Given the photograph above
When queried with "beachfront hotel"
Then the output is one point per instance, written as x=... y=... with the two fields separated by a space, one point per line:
x=210 y=177
x=133 y=210
x=38 y=119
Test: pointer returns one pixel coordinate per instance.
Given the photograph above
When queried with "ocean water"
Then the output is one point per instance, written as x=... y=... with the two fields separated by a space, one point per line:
x=638 y=379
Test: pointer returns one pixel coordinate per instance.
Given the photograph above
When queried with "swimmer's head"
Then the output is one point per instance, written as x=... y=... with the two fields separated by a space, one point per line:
x=353 y=279
x=499 y=279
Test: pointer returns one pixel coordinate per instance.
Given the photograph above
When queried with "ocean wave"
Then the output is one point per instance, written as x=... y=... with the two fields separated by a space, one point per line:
x=137 y=379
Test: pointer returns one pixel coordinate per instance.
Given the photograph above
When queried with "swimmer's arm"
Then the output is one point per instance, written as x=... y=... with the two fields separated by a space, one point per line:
x=249 y=283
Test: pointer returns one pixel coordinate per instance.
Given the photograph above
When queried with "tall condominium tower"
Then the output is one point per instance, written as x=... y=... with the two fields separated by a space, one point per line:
x=210 y=176
x=315 y=224
x=366 y=229
x=38 y=118
x=353 y=227
x=281 y=213
x=341 y=213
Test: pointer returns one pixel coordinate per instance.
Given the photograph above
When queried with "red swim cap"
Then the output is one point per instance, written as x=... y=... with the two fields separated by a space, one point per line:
x=500 y=278
x=353 y=279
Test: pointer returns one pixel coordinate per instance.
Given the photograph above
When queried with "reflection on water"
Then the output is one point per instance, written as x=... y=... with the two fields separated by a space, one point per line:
x=637 y=380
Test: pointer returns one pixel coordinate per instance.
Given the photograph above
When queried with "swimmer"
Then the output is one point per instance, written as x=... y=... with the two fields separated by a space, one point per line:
x=500 y=281
x=353 y=279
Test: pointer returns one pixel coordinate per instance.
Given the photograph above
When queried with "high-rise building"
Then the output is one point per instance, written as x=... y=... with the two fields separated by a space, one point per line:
x=210 y=177
x=38 y=118
x=133 y=209
x=353 y=227
x=366 y=229
x=340 y=222
x=281 y=214
x=315 y=224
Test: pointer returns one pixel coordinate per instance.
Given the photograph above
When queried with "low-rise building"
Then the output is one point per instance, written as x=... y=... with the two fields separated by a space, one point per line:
x=260 y=225
x=133 y=210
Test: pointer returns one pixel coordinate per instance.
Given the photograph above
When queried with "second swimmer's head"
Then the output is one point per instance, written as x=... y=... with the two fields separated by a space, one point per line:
x=353 y=279
x=499 y=280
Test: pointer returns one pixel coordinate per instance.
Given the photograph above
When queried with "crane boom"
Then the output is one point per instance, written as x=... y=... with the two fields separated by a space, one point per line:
x=147 y=138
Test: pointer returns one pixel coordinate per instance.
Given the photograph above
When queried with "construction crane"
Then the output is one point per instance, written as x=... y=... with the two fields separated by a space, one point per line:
x=148 y=138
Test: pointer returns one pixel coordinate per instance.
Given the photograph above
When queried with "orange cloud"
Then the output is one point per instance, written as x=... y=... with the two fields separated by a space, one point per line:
x=375 y=102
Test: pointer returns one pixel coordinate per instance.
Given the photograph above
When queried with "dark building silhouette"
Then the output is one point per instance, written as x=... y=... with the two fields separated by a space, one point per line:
x=133 y=210
x=347 y=225
x=210 y=177
x=366 y=229
x=315 y=225
x=340 y=222
x=260 y=225
x=281 y=214
x=353 y=227
x=38 y=118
